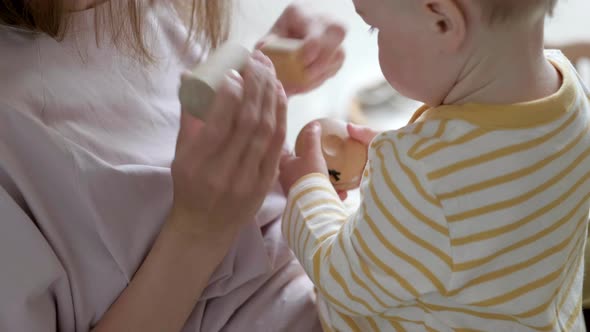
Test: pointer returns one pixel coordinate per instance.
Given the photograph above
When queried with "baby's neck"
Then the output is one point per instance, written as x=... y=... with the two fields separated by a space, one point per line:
x=506 y=67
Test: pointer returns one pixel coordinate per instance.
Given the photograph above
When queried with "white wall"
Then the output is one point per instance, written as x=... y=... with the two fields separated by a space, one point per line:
x=571 y=21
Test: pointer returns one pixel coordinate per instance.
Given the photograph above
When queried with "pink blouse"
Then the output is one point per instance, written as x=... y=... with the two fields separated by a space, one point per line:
x=87 y=135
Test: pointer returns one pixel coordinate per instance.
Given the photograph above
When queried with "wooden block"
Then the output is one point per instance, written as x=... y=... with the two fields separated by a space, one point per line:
x=197 y=90
x=345 y=157
x=286 y=56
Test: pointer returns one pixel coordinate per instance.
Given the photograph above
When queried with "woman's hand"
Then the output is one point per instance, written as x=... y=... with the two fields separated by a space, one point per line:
x=323 y=54
x=222 y=171
x=224 y=167
x=311 y=160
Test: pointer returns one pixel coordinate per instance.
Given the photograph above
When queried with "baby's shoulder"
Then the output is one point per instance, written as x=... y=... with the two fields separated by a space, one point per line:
x=418 y=139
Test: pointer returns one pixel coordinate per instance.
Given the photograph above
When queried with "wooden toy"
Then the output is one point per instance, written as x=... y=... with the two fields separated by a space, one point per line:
x=197 y=90
x=345 y=157
x=285 y=53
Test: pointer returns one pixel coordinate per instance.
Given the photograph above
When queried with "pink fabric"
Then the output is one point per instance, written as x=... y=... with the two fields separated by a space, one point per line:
x=86 y=139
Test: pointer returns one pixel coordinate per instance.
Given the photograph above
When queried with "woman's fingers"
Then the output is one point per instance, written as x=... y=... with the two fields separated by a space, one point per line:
x=260 y=141
x=322 y=43
x=321 y=35
x=244 y=123
x=293 y=22
x=319 y=76
x=249 y=116
x=221 y=117
x=270 y=164
x=211 y=149
x=266 y=61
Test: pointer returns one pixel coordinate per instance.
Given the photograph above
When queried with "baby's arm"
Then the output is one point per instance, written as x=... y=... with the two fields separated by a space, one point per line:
x=392 y=251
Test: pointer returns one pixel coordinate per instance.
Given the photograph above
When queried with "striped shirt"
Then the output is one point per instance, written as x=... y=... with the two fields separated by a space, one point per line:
x=472 y=218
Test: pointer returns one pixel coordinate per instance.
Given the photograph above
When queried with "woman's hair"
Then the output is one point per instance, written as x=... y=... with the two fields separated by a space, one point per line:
x=206 y=20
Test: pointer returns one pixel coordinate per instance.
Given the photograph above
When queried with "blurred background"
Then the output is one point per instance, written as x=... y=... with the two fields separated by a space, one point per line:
x=336 y=98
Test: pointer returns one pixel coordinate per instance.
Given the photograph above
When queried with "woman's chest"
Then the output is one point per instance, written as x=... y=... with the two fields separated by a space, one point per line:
x=120 y=113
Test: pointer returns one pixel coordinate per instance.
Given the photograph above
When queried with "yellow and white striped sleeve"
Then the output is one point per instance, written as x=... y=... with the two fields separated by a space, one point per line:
x=392 y=251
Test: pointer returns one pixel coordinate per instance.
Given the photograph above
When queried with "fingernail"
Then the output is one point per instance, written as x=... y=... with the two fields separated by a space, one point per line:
x=234 y=74
x=234 y=77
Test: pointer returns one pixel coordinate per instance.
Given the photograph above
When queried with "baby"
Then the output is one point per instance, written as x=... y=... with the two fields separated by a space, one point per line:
x=473 y=217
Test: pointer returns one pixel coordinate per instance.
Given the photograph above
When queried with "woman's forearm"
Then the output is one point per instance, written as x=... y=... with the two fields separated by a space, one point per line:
x=168 y=284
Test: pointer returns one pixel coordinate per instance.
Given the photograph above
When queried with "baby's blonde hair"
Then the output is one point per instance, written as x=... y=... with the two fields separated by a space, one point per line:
x=205 y=19
x=501 y=10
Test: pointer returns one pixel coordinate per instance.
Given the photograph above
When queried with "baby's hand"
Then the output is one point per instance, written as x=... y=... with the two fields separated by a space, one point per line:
x=311 y=160
x=323 y=54
x=364 y=135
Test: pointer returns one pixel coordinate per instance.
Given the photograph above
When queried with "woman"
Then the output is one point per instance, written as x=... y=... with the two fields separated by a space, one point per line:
x=121 y=213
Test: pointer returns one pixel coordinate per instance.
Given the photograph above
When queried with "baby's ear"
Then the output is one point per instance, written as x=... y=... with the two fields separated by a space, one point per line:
x=448 y=20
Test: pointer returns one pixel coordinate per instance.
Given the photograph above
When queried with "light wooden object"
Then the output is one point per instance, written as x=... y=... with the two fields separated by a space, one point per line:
x=197 y=90
x=285 y=53
x=345 y=157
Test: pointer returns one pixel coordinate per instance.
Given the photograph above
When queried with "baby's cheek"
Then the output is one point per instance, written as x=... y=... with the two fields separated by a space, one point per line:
x=391 y=71
x=388 y=59
x=401 y=73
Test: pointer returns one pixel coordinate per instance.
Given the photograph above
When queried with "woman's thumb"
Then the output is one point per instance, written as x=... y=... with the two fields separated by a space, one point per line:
x=362 y=134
